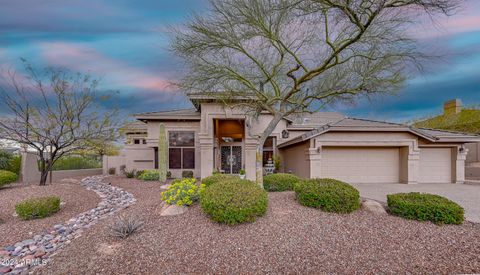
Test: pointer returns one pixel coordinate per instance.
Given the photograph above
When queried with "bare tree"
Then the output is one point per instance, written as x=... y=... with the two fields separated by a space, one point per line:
x=294 y=56
x=54 y=112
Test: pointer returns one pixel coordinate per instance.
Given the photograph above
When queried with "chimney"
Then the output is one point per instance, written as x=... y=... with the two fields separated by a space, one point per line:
x=452 y=107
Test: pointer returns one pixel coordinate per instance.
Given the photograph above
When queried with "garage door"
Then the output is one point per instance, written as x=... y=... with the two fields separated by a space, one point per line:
x=361 y=165
x=435 y=165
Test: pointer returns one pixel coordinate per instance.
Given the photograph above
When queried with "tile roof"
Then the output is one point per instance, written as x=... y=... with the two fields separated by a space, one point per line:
x=358 y=124
x=191 y=114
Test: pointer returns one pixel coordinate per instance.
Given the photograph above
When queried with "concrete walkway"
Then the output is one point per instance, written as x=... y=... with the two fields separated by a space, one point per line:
x=468 y=196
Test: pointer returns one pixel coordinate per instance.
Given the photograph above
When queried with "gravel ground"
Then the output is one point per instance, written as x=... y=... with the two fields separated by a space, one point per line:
x=76 y=200
x=289 y=239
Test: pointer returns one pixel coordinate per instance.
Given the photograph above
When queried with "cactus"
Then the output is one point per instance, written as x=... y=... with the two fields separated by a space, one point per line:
x=162 y=154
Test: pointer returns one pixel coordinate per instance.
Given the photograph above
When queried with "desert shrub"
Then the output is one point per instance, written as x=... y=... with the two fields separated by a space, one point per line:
x=15 y=164
x=76 y=163
x=125 y=226
x=149 y=175
x=10 y=162
x=139 y=173
x=7 y=177
x=187 y=174
x=122 y=168
x=5 y=158
x=38 y=208
x=328 y=195
x=280 y=182
x=112 y=171
x=425 y=207
x=234 y=201
x=217 y=178
x=130 y=173
x=182 y=192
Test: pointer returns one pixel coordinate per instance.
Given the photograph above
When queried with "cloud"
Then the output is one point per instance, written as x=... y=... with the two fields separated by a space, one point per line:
x=115 y=73
x=466 y=20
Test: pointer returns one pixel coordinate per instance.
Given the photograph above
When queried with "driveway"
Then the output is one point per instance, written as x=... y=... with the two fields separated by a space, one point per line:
x=468 y=196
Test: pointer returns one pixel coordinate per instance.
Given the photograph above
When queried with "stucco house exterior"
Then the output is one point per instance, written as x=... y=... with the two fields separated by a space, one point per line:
x=212 y=137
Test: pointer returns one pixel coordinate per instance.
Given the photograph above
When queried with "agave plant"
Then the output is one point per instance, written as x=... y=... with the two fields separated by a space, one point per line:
x=125 y=225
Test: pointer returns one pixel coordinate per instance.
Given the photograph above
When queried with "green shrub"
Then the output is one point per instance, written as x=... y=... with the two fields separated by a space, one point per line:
x=149 y=175
x=425 y=207
x=5 y=158
x=76 y=163
x=112 y=171
x=217 y=178
x=38 y=208
x=7 y=177
x=139 y=173
x=328 y=194
x=280 y=182
x=234 y=201
x=169 y=174
x=187 y=174
x=10 y=162
x=15 y=164
x=182 y=192
x=130 y=173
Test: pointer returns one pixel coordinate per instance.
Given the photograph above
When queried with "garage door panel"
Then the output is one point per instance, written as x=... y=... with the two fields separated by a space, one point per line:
x=361 y=165
x=435 y=165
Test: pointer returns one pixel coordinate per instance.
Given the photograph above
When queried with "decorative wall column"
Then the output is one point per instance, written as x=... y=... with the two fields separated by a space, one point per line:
x=250 y=151
x=459 y=156
x=413 y=175
x=314 y=158
x=206 y=152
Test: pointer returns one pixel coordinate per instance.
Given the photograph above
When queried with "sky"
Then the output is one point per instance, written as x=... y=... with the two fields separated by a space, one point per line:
x=125 y=43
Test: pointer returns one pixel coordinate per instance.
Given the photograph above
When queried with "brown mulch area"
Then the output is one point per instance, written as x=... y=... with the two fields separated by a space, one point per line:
x=289 y=239
x=74 y=197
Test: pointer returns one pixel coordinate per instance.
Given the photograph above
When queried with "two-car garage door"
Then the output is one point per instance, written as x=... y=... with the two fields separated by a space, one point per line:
x=361 y=165
x=383 y=164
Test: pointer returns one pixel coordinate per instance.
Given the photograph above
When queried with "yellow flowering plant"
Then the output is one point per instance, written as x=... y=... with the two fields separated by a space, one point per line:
x=182 y=192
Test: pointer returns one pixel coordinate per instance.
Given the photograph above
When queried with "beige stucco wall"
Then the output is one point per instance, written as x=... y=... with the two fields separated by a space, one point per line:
x=113 y=162
x=295 y=159
x=31 y=174
x=473 y=152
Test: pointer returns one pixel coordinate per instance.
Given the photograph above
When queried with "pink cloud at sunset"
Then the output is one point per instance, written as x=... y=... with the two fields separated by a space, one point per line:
x=467 y=19
x=84 y=59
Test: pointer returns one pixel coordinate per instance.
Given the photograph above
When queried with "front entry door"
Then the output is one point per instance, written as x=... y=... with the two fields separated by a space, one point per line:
x=231 y=159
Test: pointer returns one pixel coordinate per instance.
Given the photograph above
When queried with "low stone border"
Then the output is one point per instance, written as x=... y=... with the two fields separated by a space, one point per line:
x=27 y=254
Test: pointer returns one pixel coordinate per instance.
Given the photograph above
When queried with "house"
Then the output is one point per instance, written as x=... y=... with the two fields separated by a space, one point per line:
x=455 y=117
x=212 y=137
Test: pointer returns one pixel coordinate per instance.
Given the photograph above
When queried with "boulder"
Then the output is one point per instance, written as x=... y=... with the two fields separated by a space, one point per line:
x=172 y=210
x=374 y=207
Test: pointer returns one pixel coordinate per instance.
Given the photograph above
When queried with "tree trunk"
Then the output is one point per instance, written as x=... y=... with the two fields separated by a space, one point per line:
x=259 y=152
x=43 y=177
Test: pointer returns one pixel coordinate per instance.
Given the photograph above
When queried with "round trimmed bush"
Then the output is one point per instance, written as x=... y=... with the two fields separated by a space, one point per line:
x=425 y=207
x=215 y=178
x=329 y=195
x=38 y=208
x=234 y=201
x=280 y=182
x=7 y=177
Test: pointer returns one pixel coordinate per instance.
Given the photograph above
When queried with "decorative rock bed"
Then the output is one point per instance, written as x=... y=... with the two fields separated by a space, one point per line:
x=27 y=254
